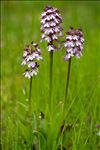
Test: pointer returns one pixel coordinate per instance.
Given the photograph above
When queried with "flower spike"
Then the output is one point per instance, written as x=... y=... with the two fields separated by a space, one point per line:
x=74 y=43
x=51 y=26
x=31 y=56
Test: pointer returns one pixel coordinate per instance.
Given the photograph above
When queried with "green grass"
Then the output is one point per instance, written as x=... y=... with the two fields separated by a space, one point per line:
x=20 y=24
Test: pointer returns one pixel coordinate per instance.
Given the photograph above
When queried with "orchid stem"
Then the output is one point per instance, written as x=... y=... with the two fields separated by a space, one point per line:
x=30 y=92
x=50 y=84
x=30 y=111
x=67 y=81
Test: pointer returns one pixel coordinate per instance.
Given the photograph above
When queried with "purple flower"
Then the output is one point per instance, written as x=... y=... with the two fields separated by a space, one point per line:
x=74 y=43
x=51 y=26
x=31 y=56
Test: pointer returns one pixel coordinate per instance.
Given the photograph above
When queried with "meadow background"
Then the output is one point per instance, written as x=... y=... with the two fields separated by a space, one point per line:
x=20 y=24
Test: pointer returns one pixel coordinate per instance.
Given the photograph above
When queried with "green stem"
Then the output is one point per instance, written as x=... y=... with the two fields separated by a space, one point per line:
x=30 y=102
x=66 y=92
x=50 y=84
x=67 y=81
x=30 y=112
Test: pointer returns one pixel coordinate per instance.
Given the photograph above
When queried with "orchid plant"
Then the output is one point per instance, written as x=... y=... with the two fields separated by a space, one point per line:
x=51 y=31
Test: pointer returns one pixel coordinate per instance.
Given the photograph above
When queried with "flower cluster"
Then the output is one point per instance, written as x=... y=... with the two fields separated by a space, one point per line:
x=51 y=26
x=31 y=56
x=74 y=43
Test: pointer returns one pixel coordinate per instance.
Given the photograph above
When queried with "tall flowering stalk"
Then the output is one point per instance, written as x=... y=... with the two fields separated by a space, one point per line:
x=51 y=31
x=31 y=56
x=74 y=46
